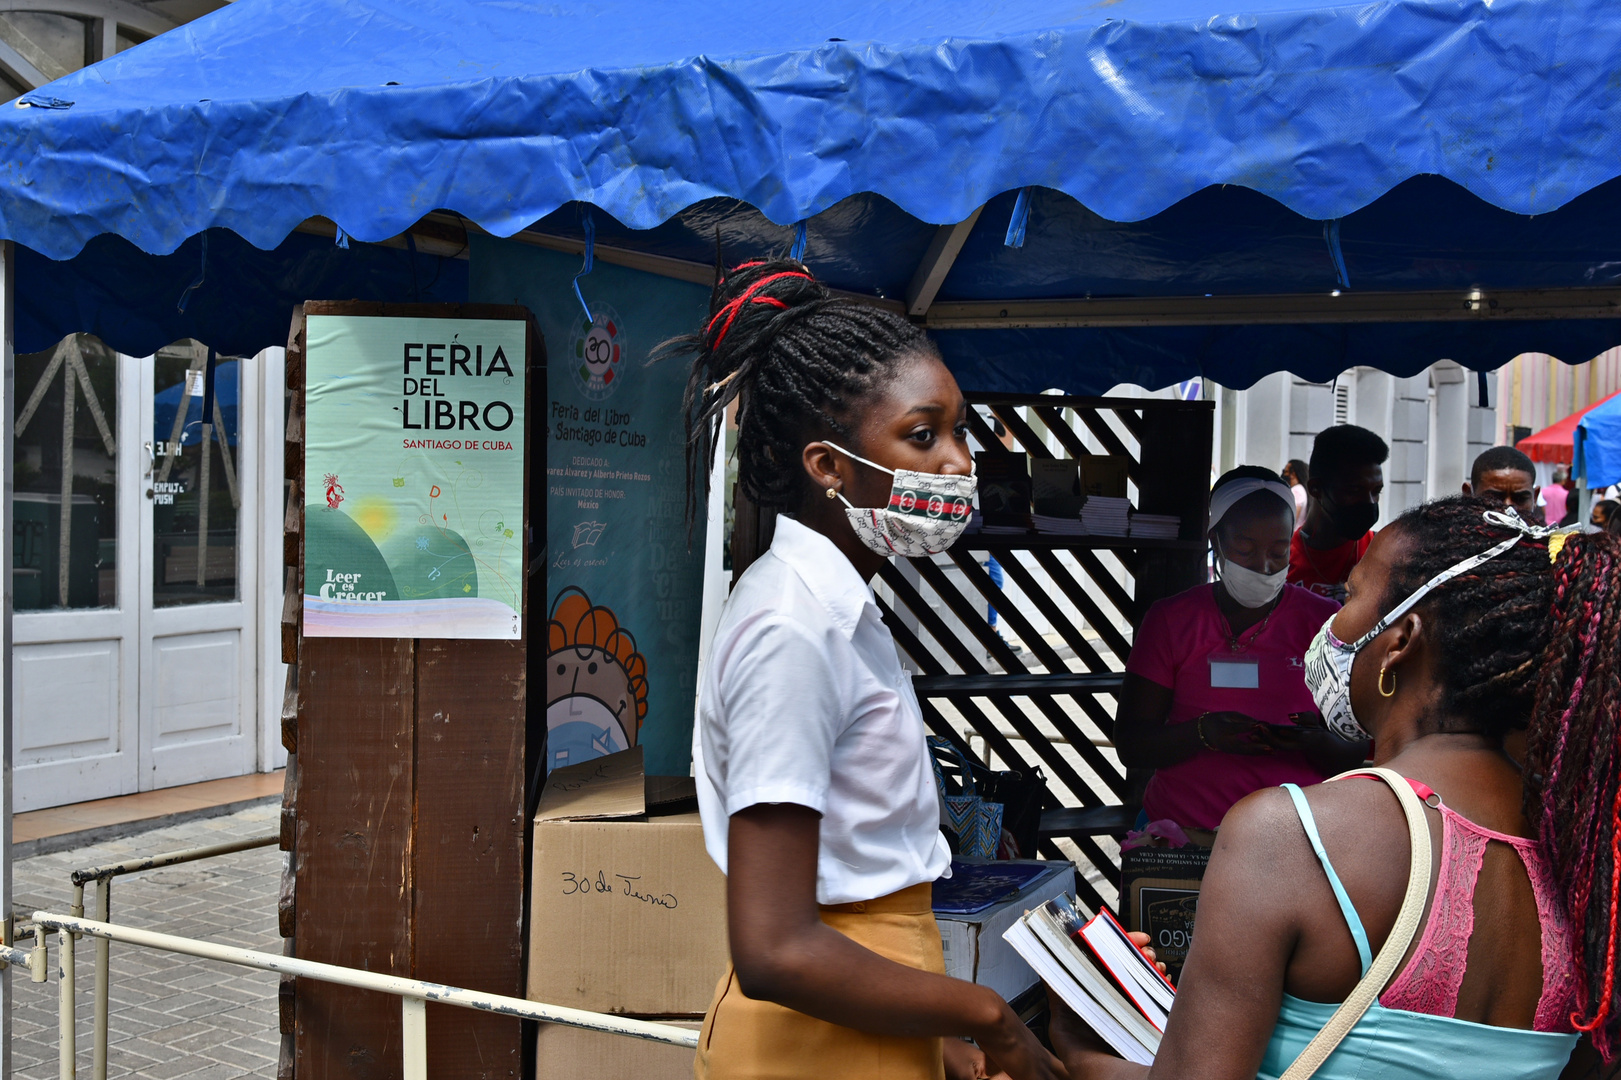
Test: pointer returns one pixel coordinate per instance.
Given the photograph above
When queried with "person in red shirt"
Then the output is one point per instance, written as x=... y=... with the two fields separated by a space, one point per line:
x=1342 y=504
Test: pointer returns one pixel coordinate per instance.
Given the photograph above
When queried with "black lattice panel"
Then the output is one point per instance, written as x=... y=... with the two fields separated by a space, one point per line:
x=1070 y=602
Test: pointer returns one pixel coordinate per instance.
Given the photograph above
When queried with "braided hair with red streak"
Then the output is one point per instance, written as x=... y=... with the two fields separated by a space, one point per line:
x=1574 y=796
x=798 y=360
x=1525 y=643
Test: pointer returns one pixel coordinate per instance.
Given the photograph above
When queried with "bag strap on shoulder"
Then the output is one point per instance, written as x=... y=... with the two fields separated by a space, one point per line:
x=1366 y=991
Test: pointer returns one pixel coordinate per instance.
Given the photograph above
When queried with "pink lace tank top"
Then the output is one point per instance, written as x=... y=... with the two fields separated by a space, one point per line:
x=1430 y=981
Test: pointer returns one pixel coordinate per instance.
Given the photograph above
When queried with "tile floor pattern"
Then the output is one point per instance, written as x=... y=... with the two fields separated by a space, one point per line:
x=170 y=1016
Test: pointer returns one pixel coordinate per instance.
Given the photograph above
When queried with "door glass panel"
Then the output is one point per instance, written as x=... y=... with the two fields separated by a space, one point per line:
x=194 y=485
x=65 y=500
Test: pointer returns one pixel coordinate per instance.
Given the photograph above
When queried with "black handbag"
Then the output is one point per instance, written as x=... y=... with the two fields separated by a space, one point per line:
x=1021 y=795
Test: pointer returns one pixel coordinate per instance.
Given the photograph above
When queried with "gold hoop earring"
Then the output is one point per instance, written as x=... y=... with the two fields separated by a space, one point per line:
x=832 y=493
x=1382 y=691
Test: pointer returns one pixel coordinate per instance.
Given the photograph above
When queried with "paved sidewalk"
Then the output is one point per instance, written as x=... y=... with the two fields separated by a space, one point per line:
x=171 y=1016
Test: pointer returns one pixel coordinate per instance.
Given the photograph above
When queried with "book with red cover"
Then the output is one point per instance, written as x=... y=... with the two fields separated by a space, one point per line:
x=1128 y=966
x=1113 y=968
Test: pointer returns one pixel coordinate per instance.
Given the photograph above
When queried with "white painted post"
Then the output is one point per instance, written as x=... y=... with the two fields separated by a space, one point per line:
x=264 y=458
x=7 y=404
x=67 y=1051
x=414 y=1026
x=104 y=904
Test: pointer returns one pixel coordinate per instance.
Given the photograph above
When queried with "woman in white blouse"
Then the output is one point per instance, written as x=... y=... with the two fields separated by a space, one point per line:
x=814 y=781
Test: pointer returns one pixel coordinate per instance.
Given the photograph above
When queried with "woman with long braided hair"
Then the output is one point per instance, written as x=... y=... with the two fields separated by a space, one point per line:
x=1489 y=677
x=814 y=780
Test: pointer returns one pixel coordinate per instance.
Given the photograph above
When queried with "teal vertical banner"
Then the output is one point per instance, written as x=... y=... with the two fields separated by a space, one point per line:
x=624 y=594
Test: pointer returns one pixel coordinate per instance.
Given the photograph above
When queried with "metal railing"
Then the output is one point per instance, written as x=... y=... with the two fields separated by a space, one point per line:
x=414 y=994
x=103 y=878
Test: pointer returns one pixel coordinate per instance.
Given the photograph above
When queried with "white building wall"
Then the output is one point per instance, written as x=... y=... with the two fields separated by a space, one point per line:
x=1311 y=410
x=1407 y=470
x=1432 y=421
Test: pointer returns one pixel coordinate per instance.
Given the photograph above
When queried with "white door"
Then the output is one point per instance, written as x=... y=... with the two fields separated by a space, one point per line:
x=135 y=661
x=75 y=629
x=198 y=657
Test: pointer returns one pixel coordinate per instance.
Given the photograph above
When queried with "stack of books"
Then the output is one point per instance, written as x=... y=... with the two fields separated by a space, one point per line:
x=1059 y=526
x=1106 y=516
x=977 y=524
x=1156 y=526
x=1096 y=969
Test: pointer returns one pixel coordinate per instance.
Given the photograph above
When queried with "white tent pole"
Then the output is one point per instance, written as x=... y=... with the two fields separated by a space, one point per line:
x=7 y=402
x=64 y=536
x=203 y=444
x=1584 y=497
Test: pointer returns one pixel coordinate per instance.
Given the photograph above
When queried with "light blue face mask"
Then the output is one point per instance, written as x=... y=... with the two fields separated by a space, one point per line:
x=1329 y=660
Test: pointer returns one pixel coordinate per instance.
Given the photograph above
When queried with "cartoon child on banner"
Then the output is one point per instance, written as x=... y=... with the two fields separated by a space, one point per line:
x=596 y=682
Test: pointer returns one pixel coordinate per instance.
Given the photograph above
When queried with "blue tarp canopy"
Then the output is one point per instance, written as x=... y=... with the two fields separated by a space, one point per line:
x=1171 y=149
x=1598 y=445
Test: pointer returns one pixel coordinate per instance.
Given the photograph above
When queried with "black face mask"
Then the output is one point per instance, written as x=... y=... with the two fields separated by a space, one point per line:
x=1353 y=522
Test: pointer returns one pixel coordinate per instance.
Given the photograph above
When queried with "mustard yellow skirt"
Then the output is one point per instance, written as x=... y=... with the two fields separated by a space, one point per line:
x=744 y=1039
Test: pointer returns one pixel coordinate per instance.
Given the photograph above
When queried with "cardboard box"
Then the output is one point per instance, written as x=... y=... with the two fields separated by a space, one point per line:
x=628 y=912
x=973 y=943
x=594 y=1055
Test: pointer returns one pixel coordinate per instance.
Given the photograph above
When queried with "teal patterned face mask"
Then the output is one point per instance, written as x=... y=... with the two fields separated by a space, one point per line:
x=1329 y=660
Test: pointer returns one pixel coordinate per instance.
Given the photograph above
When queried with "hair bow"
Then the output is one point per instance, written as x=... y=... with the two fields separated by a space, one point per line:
x=1510 y=518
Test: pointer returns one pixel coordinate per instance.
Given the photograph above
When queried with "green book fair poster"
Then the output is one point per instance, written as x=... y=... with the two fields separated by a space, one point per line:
x=413 y=478
x=624 y=593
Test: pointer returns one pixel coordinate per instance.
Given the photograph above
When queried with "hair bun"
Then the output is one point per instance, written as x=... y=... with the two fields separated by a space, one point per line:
x=752 y=294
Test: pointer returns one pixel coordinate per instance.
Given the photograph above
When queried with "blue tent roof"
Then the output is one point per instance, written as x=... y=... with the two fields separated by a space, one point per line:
x=1598 y=445
x=1176 y=147
x=373 y=112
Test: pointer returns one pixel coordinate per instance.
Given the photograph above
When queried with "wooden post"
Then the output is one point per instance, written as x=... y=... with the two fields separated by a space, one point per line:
x=407 y=815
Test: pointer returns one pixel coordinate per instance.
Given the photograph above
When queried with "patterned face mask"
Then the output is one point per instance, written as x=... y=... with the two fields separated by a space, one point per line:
x=926 y=514
x=1329 y=660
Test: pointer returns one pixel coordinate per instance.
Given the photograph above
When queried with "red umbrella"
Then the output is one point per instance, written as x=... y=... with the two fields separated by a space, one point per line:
x=1556 y=443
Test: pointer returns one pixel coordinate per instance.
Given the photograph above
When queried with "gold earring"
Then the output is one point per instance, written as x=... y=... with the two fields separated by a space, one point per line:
x=1382 y=691
x=832 y=493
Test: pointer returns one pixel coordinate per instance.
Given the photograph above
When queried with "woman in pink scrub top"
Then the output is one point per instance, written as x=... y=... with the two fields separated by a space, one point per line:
x=1217 y=672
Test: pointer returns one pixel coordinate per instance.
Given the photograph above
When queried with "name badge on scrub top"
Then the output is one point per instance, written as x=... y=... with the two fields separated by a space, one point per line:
x=1235 y=673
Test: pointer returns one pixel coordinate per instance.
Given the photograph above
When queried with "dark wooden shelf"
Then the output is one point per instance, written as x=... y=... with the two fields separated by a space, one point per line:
x=1063 y=682
x=1047 y=542
x=1088 y=820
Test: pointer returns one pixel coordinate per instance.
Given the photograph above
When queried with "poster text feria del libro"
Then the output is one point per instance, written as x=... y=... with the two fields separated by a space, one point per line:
x=414 y=521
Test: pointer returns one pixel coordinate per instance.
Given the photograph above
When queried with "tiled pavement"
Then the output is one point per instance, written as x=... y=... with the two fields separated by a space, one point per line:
x=171 y=1016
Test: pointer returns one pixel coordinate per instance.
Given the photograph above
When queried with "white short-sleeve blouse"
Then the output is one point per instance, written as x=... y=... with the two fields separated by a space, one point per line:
x=804 y=701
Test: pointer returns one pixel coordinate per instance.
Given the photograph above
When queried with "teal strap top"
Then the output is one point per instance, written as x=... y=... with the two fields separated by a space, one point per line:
x=1393 y=1044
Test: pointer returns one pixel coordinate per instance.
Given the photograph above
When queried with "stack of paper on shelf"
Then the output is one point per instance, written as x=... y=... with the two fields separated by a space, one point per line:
x=977 y=525
x=1059 y=526
x=1106 y=516
x=1156 y=526
x=1098 y=972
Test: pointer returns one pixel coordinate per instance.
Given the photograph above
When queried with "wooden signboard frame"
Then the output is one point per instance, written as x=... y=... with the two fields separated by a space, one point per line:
x=404 y=808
